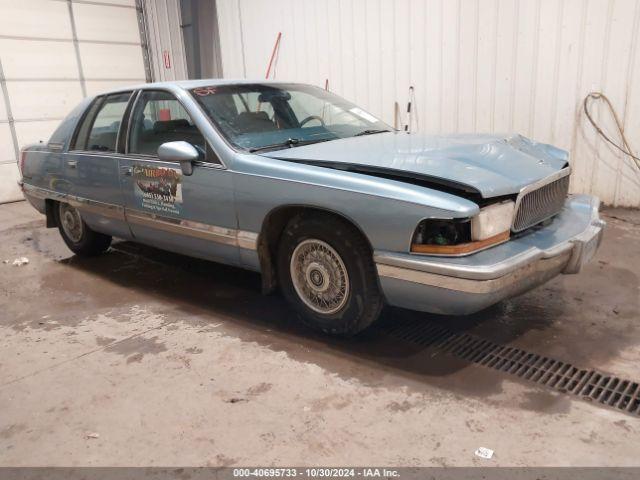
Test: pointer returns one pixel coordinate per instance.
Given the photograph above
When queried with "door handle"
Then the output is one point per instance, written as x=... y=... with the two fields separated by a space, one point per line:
x=128 y=171
x=72 y=163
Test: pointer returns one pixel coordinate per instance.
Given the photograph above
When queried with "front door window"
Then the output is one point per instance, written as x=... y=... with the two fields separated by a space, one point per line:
x=159 y=118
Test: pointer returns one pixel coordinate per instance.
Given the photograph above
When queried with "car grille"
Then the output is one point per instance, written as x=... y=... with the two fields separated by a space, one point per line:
x=536 y=204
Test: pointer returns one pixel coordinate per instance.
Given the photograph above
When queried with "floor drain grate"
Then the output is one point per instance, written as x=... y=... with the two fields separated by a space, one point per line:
x=590 y=385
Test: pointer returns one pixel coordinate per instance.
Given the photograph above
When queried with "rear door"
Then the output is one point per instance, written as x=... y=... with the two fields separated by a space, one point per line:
x=192 y=214
x=90 y=166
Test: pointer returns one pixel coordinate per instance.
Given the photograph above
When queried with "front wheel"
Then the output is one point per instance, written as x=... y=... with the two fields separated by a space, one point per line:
x=327 y=273
x=80 y=239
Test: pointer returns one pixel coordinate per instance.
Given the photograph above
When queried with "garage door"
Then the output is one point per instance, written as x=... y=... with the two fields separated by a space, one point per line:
x=52 y=53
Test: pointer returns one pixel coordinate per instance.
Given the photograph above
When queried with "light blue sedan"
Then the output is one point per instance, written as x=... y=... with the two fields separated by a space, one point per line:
x=337 y=209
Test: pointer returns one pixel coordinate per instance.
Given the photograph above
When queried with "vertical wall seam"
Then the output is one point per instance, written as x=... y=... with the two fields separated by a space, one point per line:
x=244 y=62
x=366 y=42
x=425 y=66
x=354 y=81
x=317 y=43
x=556 y=72
x=603 y=79
x=305 y=38
x=457 y=75
x=219 y=68
x=328 y=50
x=7 y=106
x=494 y=70
x=534 y=73
x=395 y=64
x=578 y=114
x=76 y=46
x=440 y=87
x=410 y=47
x=474 y=103
x=380 y=69
x=514 y=63
x=339 y=16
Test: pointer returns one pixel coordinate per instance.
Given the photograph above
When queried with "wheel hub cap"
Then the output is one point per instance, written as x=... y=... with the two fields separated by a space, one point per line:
x=319 y=276
x=71 y=222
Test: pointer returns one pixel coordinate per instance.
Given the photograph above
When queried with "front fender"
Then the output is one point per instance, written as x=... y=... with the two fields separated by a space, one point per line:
x=386 y=211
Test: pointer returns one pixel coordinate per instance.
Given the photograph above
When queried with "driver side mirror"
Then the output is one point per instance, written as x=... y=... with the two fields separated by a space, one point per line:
x=181 y=152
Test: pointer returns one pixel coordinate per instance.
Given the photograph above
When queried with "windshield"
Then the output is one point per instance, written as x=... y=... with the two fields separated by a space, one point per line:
x=263 y=116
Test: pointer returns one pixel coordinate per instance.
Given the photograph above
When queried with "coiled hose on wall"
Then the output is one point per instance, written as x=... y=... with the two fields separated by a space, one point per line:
x=625 y=147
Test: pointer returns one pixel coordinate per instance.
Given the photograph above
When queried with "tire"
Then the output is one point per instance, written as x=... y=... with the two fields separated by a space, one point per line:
x=326 y=271
x=80 y=239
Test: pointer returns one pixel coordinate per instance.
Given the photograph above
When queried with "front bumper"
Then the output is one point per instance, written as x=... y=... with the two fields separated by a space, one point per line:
x=466 y=285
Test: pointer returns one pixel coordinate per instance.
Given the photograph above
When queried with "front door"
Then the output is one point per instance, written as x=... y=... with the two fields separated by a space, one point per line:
x=190 y=214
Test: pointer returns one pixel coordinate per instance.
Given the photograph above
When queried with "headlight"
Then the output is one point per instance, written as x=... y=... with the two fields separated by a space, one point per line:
x=492 y=220
x=457 y=237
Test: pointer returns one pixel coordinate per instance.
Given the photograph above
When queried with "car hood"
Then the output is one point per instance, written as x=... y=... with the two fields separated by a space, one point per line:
x=492 y=165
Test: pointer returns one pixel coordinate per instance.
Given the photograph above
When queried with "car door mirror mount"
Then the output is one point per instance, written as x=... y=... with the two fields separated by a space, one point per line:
x=182 y=152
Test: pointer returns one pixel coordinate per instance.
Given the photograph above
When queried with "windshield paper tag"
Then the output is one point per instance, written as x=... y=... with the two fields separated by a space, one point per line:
x=362 y=114
x=158 y=188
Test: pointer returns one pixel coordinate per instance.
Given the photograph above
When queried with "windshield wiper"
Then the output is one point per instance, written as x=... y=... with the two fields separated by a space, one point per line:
x=370 y=132
x=289 y=142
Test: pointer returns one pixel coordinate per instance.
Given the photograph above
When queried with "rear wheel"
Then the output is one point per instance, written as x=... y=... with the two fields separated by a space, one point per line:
x=77 y=234
x=327 y=273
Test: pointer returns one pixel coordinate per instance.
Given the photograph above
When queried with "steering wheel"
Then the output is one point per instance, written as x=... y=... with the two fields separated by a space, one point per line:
x=312 y=117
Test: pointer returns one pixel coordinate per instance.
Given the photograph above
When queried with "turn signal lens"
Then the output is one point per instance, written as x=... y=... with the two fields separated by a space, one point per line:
x=462 y=248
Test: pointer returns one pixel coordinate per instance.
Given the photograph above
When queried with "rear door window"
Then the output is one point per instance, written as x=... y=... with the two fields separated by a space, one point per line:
x=159 y=118
x=100 y=127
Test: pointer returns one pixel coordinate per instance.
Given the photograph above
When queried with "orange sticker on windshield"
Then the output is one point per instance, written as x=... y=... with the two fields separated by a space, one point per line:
x=204 y=91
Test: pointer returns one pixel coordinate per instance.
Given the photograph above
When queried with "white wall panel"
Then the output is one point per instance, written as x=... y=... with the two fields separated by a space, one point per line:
x=7 y=152
x=628 y=188
x=9 y=190
x=34 y=132
x=95 y=87
x=129 y=64
x=46 y=77
x=35 y=18
x=36 y=101
x=38 y=59
x=106 y=23
x=231 y=39
x=3 y=109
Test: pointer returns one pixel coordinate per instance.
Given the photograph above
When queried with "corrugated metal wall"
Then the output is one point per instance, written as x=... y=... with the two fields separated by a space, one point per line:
x=476 y=65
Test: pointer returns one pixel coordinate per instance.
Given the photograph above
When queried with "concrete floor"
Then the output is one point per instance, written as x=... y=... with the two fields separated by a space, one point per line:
x=178 y=362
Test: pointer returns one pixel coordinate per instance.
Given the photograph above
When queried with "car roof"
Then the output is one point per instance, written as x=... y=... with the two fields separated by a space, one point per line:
x=188 y=84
